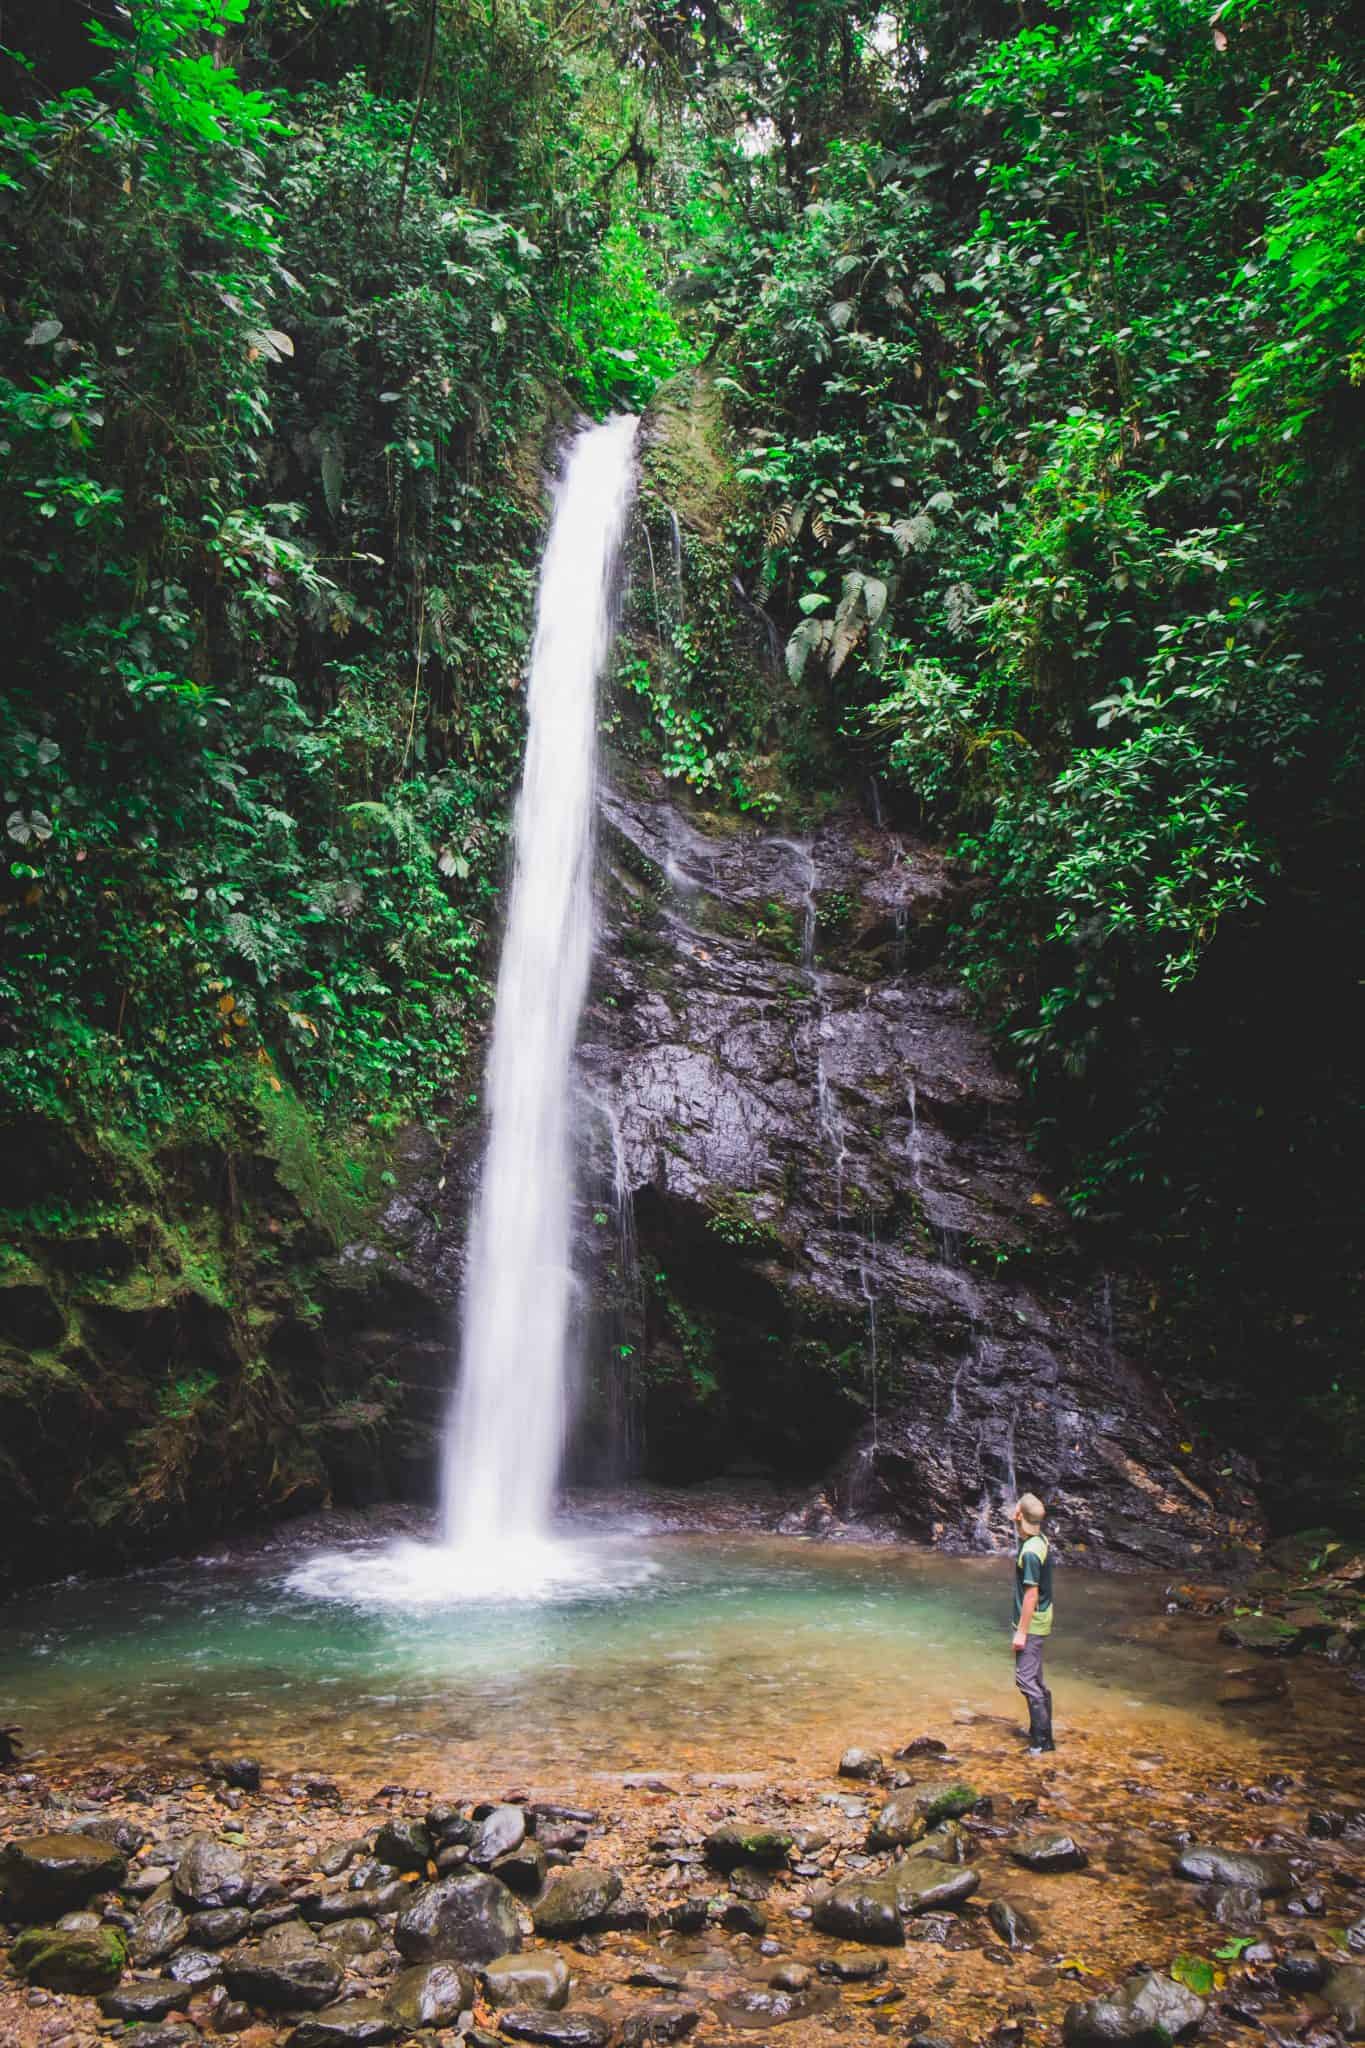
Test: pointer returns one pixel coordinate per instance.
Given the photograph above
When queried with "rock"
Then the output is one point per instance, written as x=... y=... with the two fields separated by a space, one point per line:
x=1050 y=1853
x=1301 y=1970
x=86 y=1963
x=348 y=1902
x=1345 y=1993
x=430 y=1995
x=287 y=1969
x=1268 y=1875
x=1262 y=1632
x=730 y=1844
x=1355 y=1936
x=361 y=2023
x=351 y=1938
x=742 y=1916
x=538 y=1977
x=922 y=1883
x=908 y=1814
x=658 y=2023
x=688 y=1916
x=523 y=1870
x=162 y=2034
x=195 y=1967
x=556 y=2029
x=1147 y=2012
x=243 y=1773
x=404 y=1845
x=44 y=1875
x=1011 y=1923
x=160 y=1929
x=861 y=1909
x=1252 y=1685
x=1235 y=1905
x=850 y=1967
x=211 y=1873
x=922 y=1745
x=797 y=1976
x=860 y=1763
x=574 y=1900
x=156 y=2000
x=470 y=1918
x=219 y=1926
x=499 y=1832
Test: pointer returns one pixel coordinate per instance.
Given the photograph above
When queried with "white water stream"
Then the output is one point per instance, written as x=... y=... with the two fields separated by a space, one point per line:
x=505 y=1433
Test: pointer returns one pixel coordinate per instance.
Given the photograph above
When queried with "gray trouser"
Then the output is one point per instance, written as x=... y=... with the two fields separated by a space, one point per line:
x=1028 y=1671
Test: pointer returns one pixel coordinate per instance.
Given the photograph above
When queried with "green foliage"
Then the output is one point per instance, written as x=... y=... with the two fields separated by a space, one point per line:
x=623 y=336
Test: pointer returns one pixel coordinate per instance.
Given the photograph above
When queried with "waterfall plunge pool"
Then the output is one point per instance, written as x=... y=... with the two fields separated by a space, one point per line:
x=665 y=1651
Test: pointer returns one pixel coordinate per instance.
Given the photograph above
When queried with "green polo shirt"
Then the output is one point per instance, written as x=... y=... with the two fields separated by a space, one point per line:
x=1033 y=1567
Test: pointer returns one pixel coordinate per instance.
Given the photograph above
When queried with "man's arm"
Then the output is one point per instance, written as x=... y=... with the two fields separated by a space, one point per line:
x=1027 y=1606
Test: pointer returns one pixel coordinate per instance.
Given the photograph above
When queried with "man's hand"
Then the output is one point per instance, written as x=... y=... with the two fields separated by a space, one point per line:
x=1020 y=1639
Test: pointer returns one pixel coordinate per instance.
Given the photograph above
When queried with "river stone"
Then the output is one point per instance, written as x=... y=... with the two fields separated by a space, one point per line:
x=658 y=2023
x=742 y=1916
x=1011 y=1923
x=1261 y=1632
x=556 y=2029
x=44 y=1875
x=539 y=1977
x=195 y=1967
x=404 y=1845
x=1266 y=1874
x=1146 y=2012
x=219 y=1926
x=1050 y=1853
x=156 y=2000
x=797 y=1976
x=430 y=1995
x=162 y=2034
x=908 y=1814
x=85 y=1963
x=351 y=1938
x=860 y=1763
x=466 y=1919
x=286 y=1969
x=731 y=1843
x=861 y=1909
x=211 y=1873
x=361 y=2023
x=1235 y=1905
x=847 y=1966
x=499 y=1832
x=574 y=1900
x=1355 y=1936
x=1345 y=1993
x=523 y=1869
x=922 y=1883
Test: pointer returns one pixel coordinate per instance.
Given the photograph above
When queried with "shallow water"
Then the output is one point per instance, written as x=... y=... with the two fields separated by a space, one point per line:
x=668 y=1652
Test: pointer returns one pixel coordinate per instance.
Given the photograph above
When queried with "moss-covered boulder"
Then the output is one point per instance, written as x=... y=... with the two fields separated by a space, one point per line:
x=61 y=1960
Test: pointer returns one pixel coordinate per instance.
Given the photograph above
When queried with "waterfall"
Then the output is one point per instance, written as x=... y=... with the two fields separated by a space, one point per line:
x=505 y=1431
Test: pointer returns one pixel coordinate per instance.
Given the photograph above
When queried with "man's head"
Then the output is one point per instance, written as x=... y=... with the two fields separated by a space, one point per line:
x=1029 y=1514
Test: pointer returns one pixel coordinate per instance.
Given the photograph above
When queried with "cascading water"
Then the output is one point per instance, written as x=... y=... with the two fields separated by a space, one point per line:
x=505 y=1430
x=506 y=1427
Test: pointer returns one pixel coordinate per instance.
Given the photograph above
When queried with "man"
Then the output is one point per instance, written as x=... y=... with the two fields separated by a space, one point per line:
x=1032 y=1618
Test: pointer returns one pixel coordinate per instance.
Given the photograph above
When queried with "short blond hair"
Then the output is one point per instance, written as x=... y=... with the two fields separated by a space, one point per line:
x=1031 y=1511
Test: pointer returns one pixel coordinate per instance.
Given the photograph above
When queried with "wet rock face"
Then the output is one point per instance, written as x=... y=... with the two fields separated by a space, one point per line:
x=836 y=1214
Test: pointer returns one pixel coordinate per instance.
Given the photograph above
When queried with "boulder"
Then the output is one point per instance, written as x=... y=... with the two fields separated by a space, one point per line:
x=497 y=1833
x=161 y=1928
x=539 y=1977
x=360 y=2023
x=351 y=1938
x=573 y=1901
x=860 y=1763
x=915 y=1809
x=154 y=2000
x=861 y=1909
x=470 y=1918
x=44 y=1875
x=61 y=1961
x=731 y=1843
x=219 y=1926
x=1149 y=2011
x=1261 y=1632
x=287 y=1970
x=523 y=1870
x=430 y=1995
x=556 y=2029
x=196 y=1967
x=404 y=1845
x=1268 y=1875
x=1049 y=1853
x=922 y=1883
x=1345 y=1993
x=211 y=1873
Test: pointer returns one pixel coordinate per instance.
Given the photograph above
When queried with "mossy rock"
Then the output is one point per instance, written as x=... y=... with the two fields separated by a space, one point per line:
x=61 y=1960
